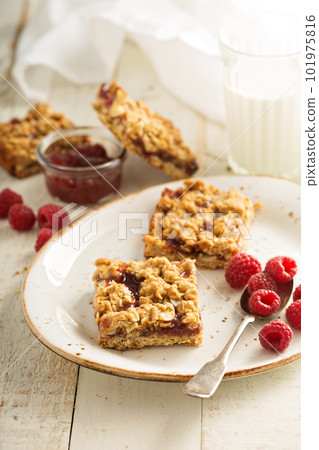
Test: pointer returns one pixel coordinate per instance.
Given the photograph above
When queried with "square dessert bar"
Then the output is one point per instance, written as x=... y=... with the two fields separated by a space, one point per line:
x=19 y=138
x=144 y=132
x=200 y=222
x=141 y=303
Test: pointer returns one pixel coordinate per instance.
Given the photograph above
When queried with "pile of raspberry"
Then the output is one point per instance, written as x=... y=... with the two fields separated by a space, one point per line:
x=50 y=218
x=264 y=300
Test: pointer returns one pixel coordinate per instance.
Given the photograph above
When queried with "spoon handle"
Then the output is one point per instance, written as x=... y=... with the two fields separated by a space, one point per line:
x=207 y=380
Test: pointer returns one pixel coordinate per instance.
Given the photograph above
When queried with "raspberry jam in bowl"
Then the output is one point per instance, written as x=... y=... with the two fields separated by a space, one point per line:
x=81 y=165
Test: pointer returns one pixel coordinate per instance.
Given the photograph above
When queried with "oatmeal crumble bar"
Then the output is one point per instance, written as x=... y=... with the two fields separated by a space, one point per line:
x=19 y=138
x=141 y=303
x=200 y=222
x=144 y=132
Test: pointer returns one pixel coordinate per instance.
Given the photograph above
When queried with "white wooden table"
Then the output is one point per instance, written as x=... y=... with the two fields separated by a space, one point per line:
x=47 y=402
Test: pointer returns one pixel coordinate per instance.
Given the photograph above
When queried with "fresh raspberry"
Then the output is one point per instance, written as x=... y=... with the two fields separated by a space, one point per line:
x=263 y=302
x=275 y=336
x=261 y=280
x=7 y=199
x=44 y=235
x=293 y=314
x=52 y=215
x=240 y=269
x=21 y=218
x=297 y=293
x=281 y=268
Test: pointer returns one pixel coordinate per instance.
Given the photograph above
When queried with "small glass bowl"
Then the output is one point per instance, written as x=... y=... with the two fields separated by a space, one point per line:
x=82 y=185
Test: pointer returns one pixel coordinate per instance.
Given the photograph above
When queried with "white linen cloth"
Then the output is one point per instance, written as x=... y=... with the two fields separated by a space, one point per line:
x=82 y=40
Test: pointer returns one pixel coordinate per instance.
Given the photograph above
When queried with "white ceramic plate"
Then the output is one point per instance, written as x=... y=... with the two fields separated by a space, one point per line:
x=57 y=292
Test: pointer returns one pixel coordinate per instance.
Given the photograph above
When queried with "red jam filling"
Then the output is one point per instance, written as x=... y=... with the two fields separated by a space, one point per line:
x=82 y=191
x=83 y=156
x=173 y=244
x=15 y=121
x=189 y=167
x=106 y=95
x=130 y=281
x=207 y=226
x=172 y=194
x=177 y=328
x=186 y=273
x=72 y=187
x=133 y=284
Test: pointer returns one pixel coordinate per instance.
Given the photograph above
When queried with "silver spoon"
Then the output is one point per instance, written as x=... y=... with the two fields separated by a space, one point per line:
x=207 y=380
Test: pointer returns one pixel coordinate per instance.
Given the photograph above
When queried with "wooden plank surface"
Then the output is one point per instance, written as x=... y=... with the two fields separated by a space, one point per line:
x=123 y=413
x=261 y=412
x=36 y=386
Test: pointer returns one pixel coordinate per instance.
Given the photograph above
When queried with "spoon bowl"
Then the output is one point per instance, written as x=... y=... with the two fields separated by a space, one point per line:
x=284 y=291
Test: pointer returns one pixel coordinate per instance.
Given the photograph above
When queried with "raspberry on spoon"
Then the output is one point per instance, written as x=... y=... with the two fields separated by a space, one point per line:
x=264 y=302
x=261 y=280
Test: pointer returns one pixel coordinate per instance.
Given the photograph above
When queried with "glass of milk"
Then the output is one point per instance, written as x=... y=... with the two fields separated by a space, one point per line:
x=261 y=56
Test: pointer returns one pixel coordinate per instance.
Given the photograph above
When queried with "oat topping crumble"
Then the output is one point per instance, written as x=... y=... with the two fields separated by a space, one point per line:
x=19 y=138
x=200 y=222
x=144 y=132
x=140 y=303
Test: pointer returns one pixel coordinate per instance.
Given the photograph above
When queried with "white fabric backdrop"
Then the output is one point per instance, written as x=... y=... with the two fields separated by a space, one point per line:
x=82 y=40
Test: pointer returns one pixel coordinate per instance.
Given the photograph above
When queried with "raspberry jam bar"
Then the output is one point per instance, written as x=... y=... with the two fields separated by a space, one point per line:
x=144 y=132
x=19 y=138
x=200 y=222
x=142 y=303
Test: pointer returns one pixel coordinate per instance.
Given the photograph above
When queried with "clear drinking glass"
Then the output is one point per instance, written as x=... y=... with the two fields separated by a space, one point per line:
x=261 y=56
